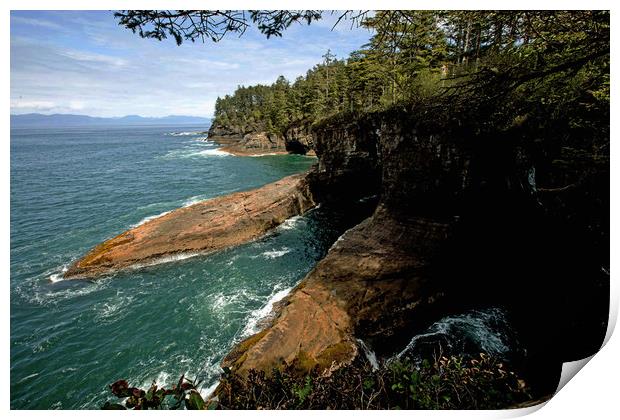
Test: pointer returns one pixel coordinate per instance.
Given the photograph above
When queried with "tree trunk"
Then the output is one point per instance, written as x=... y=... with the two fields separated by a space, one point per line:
x=466 y=46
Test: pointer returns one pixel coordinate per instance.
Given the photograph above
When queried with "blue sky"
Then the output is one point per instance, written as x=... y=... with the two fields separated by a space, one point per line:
x=84 y=63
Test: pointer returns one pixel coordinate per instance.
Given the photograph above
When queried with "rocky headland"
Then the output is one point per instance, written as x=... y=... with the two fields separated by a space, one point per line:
x=257 y=142
x=459 y=224
x=204 y=227
x=452 y=216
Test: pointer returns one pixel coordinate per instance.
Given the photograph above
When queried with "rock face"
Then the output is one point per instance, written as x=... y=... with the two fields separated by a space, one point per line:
x=256 y=144
x=372 y=284
x=223 y=132
x=298 y=139
x=349 y=165
x=204 y=227
x=459 y=225
x=377 y=281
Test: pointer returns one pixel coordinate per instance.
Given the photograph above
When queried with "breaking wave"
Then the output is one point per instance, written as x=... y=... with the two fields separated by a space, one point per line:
x=290 y=223
x=56 y=277
x=169 y=258
x=149 y=218
x=258 y=315
x=194 y=200
x=213 y=152
x=275 y=253
x=185 y=133
x=466 y=334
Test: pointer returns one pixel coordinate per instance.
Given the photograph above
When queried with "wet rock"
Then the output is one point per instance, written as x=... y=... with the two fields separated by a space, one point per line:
x=249 y=141
x=204 y=227
x=253 y=144
x=373 y=283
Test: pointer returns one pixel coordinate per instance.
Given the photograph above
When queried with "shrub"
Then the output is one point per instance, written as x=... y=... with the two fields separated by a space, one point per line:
x=445 y=383
x=184 y=392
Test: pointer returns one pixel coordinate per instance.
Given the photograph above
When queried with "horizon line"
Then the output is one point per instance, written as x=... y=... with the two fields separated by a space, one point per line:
x=114 y=117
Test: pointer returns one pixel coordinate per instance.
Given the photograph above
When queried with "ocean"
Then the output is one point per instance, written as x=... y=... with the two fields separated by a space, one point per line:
x=73 y=188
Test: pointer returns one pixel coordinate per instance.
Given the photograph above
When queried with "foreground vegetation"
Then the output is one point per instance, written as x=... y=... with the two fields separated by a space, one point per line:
x=445 y=383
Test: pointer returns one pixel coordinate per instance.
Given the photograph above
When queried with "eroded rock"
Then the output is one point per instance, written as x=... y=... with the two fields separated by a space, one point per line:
x=373 y=283
x=204 y=227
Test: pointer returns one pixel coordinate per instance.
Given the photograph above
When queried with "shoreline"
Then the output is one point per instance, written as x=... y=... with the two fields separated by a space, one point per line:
x=237 y=151
x=234 y=146
x=201 y=228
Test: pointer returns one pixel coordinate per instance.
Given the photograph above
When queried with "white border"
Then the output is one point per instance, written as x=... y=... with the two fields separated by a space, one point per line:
x=593 y=394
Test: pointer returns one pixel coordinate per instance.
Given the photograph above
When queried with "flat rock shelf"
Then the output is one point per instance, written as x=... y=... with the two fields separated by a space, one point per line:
x=204 y=227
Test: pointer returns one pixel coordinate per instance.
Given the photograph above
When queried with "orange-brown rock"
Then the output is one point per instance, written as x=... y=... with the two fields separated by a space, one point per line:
x=373 y=283
x=204 y=227
x=240 y=150
x=256 y=142
x=253 y=144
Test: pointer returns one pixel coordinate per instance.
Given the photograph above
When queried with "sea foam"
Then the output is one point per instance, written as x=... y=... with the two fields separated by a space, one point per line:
x=275 y=253
x=149 y=218
x=170 y=258
x=290 y=223
x=213 y=152
x=184 y=133
x=56 y=277
x=194 y=200
x=260 y=314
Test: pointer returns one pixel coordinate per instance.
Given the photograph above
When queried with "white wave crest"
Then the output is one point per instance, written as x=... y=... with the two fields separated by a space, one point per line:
x=161 y=380
x=197 y=150
x=260 y=314
x=213 y=152
x=194 y=200
x=56 y=277
x=220 y=301
x=25 y=378
x=265 y=154
x=114 y=306
x=43 y=296
x=275 y=253
x=169 y=258
x=184 y=133
x=149 y=218
x=486 y=329
x=290 y=223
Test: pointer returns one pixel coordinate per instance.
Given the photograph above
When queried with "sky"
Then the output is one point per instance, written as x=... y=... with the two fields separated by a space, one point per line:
x=83 y=62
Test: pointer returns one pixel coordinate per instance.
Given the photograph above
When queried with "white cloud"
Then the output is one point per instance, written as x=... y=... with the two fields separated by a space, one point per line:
x=94 y=58
x=206 y=63
x=97 y=68
x=35 y=22
x=77 y=105
x=32 y=105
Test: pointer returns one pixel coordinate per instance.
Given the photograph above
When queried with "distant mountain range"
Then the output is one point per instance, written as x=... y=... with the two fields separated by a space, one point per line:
x=71 y=120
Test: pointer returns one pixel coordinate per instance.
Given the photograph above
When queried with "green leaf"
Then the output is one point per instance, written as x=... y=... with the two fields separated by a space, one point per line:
x=113 y=406
x=194 y=401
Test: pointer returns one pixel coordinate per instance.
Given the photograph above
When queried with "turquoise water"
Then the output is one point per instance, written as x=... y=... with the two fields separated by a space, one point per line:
x=73 y=188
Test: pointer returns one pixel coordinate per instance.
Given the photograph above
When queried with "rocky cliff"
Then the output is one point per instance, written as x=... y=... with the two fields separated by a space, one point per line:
x=460 y=224
x=296 y=139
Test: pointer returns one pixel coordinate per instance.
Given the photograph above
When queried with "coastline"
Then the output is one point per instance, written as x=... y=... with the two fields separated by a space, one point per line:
x=202 y=228
x=239 y=146
x=243 y=152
